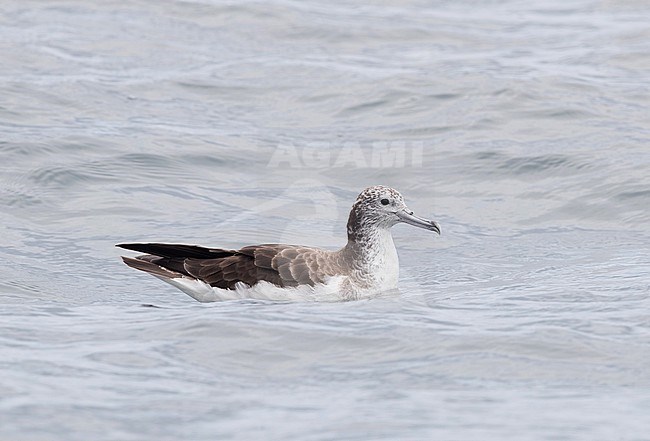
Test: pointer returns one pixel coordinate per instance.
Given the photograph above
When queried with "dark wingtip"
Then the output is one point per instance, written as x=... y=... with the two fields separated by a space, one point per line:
x=128 y=246
x=132 y=246
x=176 y=250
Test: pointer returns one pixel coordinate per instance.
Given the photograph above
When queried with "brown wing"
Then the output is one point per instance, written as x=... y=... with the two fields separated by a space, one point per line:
x=291 y=262
x=281 y=265
x=228 y=271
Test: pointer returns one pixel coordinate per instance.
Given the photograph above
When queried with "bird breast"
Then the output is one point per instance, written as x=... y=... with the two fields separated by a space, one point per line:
x=377 y=264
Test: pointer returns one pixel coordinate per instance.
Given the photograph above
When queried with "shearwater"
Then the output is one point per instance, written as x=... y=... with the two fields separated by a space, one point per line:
x=366 y=266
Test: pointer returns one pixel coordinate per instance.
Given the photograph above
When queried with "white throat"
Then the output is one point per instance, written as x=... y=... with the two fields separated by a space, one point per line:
x=387 y=261
x=377 y=262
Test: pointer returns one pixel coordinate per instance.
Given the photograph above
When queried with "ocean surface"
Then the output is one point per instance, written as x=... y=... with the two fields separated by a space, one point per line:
x=523 y=128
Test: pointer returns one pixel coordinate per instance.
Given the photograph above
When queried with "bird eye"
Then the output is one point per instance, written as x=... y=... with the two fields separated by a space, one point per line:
x=385 y=202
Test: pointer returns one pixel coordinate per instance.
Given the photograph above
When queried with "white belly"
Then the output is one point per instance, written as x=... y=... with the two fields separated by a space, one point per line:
x=331 y=291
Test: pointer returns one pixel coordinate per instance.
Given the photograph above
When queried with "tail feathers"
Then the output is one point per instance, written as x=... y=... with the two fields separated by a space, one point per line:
x=195 y=288
x=151 y=268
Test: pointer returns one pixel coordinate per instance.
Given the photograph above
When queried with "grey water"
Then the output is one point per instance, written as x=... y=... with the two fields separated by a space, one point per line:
x=523 y=128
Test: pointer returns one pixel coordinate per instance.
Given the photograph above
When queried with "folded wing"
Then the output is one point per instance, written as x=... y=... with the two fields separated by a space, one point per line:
x=281 y=265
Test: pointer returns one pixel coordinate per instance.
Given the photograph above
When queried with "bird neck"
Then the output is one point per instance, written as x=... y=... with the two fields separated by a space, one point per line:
x=370 y=245
x=372 y=260
x=374 y=244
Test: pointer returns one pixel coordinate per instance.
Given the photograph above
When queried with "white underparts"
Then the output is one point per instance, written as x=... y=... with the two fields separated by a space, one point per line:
x=334 y=290
x=203 y=292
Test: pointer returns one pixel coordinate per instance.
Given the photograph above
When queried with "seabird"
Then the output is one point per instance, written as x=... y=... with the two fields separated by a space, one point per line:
x=364 y=267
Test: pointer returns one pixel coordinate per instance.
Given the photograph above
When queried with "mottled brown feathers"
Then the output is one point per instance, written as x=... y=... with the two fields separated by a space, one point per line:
x=281 y=265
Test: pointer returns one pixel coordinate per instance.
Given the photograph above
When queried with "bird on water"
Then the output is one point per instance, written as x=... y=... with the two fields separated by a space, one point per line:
x=366 y=266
